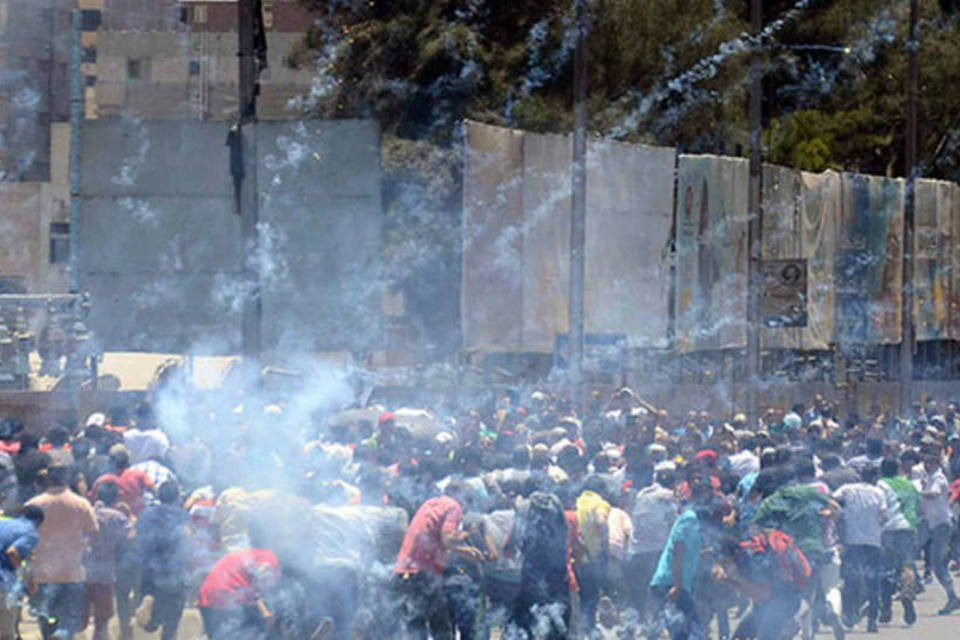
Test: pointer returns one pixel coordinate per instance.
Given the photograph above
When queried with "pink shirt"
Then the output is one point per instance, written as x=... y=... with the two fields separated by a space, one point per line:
x=423 y=548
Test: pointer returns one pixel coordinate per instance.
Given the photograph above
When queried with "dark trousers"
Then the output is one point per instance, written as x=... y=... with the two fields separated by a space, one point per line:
x=685 y=625
x=59 y=608
x=169 y=596
x=640 y=570
x=861 y=569
x=898 y=549
x=592 y=578
x=423 y=606
x=543 y=604
x=127 y=588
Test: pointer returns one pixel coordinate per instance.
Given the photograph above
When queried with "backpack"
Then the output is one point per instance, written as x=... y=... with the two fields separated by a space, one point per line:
x=773 y=553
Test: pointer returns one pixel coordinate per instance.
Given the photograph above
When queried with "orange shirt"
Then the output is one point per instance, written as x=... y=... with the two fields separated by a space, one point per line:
x=67 y=521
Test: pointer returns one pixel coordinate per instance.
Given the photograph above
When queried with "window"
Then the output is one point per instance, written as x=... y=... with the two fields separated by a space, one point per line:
x=90 y=19
x=59 y=242
x=268 y=17
x=196 y=14
x=133 y=69
x=194 y=67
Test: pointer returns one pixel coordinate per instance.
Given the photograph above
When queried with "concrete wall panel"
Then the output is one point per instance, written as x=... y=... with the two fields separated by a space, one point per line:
x=160 y=245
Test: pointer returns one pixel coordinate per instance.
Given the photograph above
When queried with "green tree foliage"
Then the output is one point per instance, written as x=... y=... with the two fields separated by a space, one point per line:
x=835 y=72
x=670 y=72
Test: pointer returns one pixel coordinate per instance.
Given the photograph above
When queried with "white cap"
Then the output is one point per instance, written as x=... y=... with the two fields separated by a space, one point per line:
x=96 y=420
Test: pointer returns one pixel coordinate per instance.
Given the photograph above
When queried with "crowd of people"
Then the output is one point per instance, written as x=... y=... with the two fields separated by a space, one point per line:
x=525 y=516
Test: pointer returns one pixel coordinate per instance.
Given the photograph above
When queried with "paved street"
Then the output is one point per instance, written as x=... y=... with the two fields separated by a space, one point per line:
x=929 y=624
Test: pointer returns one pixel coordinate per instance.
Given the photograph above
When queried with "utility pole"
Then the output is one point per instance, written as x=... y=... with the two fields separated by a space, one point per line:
x=249 y=20
x=76 y=121
x=578 y=199
x=755 y=213
x=908 y=338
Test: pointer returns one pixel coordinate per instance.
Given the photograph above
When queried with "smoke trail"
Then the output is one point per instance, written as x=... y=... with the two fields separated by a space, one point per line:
x=682 y=86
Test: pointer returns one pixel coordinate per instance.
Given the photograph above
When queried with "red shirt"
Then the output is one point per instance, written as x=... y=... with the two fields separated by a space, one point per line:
x=132 y=484
x=10 y=446
x=231 y=581
x=423 y=548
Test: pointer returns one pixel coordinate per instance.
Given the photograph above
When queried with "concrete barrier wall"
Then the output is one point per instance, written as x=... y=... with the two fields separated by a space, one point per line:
x=160 y=247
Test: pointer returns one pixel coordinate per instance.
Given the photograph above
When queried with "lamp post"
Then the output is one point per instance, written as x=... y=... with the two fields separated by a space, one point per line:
x=578 y=200
x=755 y=213
x=908 y=338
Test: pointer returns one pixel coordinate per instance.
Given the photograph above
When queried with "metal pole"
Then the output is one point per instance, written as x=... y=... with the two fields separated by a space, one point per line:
x=248 y=202
x=908 y=339
x=755 y=212
x=76 y=121
x=578 y=219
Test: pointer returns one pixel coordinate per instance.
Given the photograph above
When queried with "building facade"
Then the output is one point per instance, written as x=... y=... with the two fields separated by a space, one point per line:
x=139 y=59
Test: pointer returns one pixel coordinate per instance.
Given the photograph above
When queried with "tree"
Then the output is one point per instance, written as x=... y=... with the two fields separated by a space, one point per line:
x=671 y=72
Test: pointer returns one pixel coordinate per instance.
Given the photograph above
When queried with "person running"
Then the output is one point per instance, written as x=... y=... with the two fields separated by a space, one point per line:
x=934 y=488
x=162 y=534
x=899 y=541
x=101 y=560
x=676 y=572
x=69 y=524
x=864 y=511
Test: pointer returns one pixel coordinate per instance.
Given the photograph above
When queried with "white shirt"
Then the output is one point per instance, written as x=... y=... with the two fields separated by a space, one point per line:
x=864 y=509
x=143 y=445
x=936 y=509
x=744 y=462
x=653 y=514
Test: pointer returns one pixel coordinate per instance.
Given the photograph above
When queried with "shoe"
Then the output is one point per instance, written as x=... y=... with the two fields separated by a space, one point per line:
x=872 y=627
x=838 y=631
x=952 y=605
x=144 y=612
x=607 y=613
x=885 y=616
x=909 y=612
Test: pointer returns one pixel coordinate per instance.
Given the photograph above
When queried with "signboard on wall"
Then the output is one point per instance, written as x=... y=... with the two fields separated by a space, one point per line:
x=783 y=299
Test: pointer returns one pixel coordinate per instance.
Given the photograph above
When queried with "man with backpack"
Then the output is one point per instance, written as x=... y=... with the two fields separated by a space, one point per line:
x=768 y=567
x=541 y=537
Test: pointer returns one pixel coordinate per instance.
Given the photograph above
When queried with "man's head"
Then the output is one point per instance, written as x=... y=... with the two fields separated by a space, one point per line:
x=520 y=458
x=108 y=493
x=931 y=462
x=460 y=492
x=119 y=417
x=889 y=468
x=830 y=462
x=666 y=478
x=119 y=457
x=169 y=492
x=145 y=417
x=58 y=476
x=58 y=436
x=870 y=474
x=874 y=447
x=32 y=513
